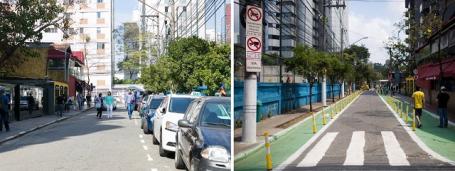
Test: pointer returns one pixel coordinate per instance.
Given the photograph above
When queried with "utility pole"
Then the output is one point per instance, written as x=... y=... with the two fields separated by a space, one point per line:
x=173 y=22
x=281 y=40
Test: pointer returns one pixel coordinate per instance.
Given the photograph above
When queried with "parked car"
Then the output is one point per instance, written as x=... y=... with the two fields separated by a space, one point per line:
x=142 y=106
x=23 y=103
x=204 y=135
x=147 y=120
x=165 y=125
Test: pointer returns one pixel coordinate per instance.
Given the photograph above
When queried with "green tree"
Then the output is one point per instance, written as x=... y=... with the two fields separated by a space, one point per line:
x=133 y=63
x=24 y=21
x=190 y=62
x=307 y=62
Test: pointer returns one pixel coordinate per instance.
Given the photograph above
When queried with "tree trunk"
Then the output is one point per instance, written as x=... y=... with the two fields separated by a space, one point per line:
x=339 y=94
x=331 y=93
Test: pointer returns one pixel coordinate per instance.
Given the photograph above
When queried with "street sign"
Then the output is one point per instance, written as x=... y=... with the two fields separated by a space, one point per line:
x=253 y=36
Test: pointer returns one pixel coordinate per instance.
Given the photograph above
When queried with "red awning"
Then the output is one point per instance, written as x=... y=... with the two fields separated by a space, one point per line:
x=78 y=56
x=55 y=54
x=431 y=71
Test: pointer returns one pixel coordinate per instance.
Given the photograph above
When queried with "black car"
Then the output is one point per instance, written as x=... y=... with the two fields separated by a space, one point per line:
x=147 y=119
x=204 y=135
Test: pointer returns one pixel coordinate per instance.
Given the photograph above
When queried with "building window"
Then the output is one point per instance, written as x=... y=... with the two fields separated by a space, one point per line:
x=100 y=83
x=100 y=45
x=99 y=1
x=98 y=30
x=98 y=14
x=166 y=9
x=81 y=30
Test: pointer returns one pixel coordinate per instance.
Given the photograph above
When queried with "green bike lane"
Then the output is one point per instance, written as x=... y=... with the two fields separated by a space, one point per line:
x=287 y=144
x=440 y=140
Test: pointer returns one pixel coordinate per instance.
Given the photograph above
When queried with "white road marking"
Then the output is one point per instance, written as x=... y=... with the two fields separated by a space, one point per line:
x=315 y=155
x=299 y=152
x=149 y=158
x=142 y=141
x=145 y=147
x=416 y=139
x=355 y=153
x=141 y=136
x=394 y=152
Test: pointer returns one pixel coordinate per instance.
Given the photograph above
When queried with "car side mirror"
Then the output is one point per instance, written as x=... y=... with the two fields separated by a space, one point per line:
x=163 y=110
x=184 y=123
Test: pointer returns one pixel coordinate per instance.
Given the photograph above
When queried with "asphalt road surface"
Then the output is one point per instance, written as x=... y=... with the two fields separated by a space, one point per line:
x=365 y=137
x=86 y=143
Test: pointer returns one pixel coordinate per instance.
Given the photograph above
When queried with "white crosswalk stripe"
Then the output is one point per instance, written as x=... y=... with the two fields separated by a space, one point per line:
x=394 y=152
x=355 y=152
x=315 y=155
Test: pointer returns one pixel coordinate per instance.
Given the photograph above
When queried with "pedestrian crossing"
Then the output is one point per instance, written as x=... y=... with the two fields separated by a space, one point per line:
x=355 y=152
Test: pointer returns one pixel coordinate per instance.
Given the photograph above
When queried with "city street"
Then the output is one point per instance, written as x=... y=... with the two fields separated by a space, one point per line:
x=366 y=136
x=86 y=143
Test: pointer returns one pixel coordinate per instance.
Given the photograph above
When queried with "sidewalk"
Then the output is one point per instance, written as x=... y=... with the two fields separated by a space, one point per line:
x=440 y=140
x=20 y=128
x=275 y=125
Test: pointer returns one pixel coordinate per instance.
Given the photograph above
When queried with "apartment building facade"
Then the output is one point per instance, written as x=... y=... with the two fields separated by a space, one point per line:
x=91 y=33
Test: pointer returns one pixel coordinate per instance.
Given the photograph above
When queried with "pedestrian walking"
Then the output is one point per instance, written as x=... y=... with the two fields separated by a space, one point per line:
x=99 y=105
x=80 y=101
x=60 y=105
x=129 y=99
x=418 y=98
x=4 y=110
x=443 y=98
x=89 y=100
x=31 y=103
x=109 y=101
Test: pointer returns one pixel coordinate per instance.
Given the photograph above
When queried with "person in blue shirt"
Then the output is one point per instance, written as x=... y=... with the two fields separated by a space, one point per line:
x=3 y=110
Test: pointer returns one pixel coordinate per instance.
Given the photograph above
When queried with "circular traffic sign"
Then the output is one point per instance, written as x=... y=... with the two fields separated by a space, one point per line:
x=254 y=44
x=254 y=14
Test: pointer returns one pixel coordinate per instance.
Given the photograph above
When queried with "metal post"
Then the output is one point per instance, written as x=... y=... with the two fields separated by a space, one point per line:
x=324 y=90
x=249 y=108
x=268 y=155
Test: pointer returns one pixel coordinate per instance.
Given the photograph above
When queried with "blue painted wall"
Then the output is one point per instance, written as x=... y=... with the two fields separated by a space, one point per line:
x=276 y=98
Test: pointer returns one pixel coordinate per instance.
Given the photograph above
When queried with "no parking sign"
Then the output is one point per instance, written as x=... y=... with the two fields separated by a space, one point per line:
x=253 y=44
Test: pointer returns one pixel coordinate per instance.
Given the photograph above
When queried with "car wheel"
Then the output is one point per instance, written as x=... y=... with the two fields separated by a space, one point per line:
x=178 y=158
x=161 y=150
x=192 y=165
x=145 y=127
x=155 y=141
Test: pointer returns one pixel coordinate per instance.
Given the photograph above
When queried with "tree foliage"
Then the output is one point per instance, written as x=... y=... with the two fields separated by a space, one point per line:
x=24 y=21
x=189 y=63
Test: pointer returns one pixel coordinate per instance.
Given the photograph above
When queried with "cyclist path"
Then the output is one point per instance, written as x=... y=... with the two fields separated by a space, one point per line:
x=366 y=136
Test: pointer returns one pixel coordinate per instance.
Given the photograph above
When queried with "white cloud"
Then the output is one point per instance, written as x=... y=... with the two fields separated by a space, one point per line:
x=377 y=28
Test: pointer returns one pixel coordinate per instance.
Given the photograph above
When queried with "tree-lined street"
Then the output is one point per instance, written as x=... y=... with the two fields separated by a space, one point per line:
x=86 y=143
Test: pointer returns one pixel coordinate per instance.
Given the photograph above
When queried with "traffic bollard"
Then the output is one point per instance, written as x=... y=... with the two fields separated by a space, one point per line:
x=314 y=123
x=268 y=156
x=324 y=121
x=414 y=120
x=399 y=108
x=407 y=115
x=331 y=112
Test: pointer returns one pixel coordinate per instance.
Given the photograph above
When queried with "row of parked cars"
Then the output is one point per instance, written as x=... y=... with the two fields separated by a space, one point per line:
x=195 y=128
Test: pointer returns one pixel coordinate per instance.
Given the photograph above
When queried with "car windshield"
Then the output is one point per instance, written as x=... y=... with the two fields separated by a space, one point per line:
x=216 y=114
x=179 y=104
x=154 y=103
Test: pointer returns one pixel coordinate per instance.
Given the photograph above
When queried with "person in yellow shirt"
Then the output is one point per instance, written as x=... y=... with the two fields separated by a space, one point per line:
x=418 y=98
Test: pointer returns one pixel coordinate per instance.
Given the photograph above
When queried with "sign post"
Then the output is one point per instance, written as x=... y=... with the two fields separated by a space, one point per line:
x=253 y=48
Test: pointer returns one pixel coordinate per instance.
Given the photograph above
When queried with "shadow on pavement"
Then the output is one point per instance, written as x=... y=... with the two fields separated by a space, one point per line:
x=80 y=125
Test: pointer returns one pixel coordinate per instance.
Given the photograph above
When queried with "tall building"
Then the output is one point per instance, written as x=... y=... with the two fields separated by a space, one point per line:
x=433 y=50
x=90 y=32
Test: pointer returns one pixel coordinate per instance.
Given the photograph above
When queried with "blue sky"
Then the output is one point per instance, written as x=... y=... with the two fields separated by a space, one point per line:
x=375 y=20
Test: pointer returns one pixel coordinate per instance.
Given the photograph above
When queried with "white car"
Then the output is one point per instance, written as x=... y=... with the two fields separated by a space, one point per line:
x=165 y=123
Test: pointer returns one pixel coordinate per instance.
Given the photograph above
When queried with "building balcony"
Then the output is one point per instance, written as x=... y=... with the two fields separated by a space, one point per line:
x=100 y=51
x=100 y=5
x=83 y=21
x=100 y=36
x=100 y=21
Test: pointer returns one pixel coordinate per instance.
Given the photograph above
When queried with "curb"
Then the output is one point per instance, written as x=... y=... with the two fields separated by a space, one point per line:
x=22 y=133
x=272 y=138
